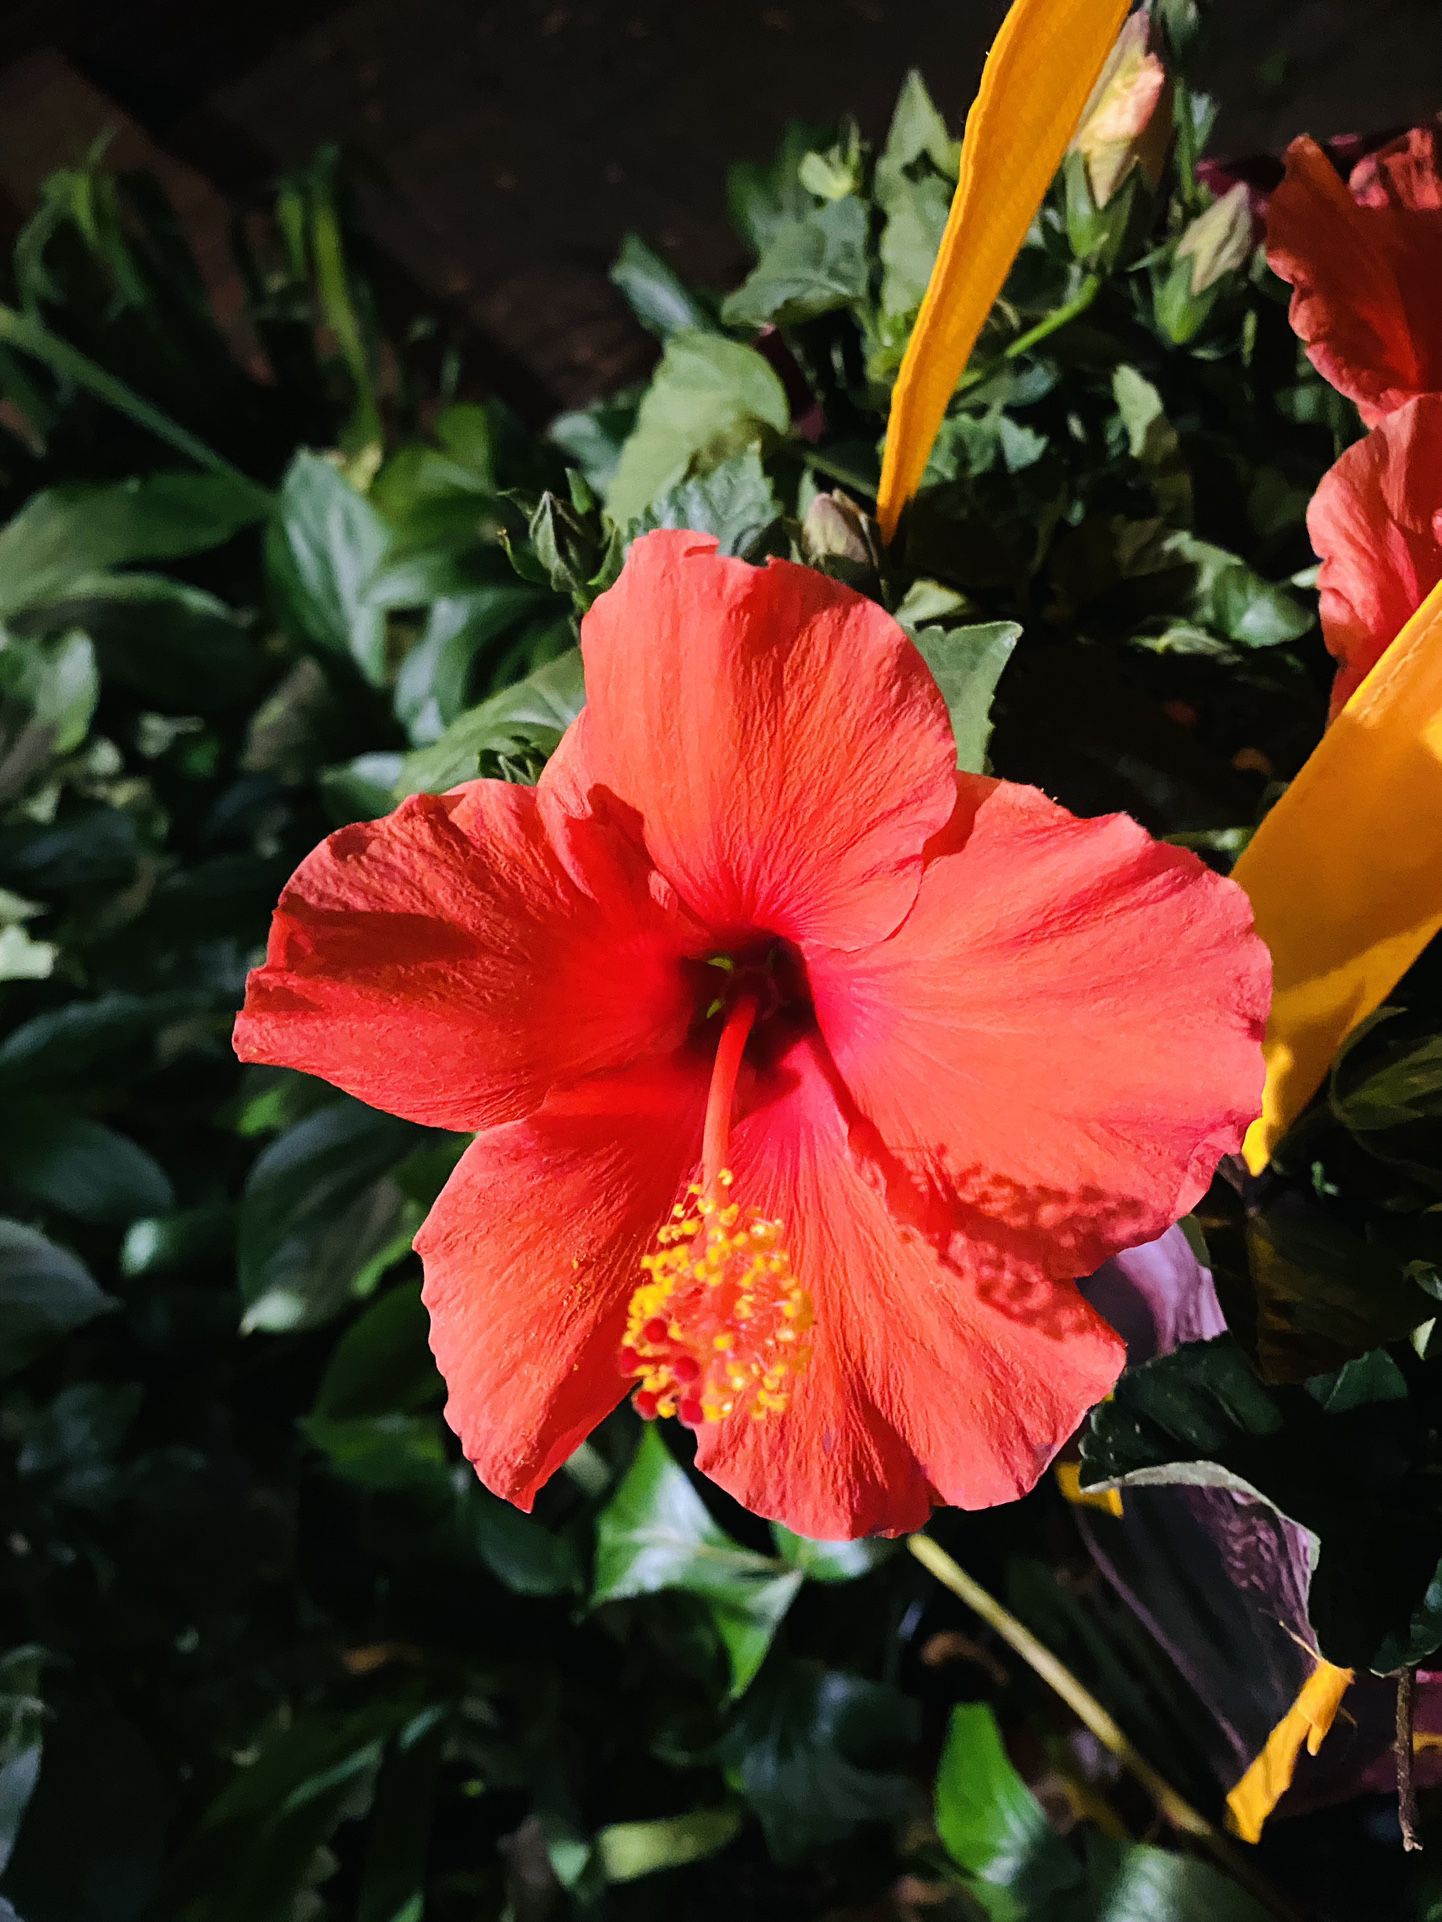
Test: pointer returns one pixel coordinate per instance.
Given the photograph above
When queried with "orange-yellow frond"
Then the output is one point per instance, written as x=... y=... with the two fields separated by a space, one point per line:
x=1037 y=80
x=1345 y=873
x=1309 y=1720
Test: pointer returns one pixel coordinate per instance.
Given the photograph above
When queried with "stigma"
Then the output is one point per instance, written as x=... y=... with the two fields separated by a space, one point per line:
x=720 y=1324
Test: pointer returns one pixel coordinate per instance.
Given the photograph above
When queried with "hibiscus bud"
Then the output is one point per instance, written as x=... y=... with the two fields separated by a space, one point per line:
x=1217 y=243
x=1127 y=122
x=838 y=538
x=569 y=546
x=1179 y=28
x=1221 y=240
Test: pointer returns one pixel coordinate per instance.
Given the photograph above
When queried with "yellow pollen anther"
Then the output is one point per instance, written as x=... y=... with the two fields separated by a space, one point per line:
x=718 y=1321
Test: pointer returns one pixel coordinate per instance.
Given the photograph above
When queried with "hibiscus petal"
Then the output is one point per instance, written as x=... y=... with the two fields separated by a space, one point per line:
x=1367 y=283
x=1406 y=172
x=1063 y=1038
x=924 y=1384
x=1376 y=523
x=453 y=961
x=781 y=741
x=531 y=1254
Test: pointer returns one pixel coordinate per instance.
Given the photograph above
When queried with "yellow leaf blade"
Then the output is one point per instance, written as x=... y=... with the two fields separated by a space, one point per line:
x=1345 y=873
x=1037 y=79
x=1309 y=1720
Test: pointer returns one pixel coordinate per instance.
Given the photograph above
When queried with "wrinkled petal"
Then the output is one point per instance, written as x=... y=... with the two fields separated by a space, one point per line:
x=1376 y=524
x=781 y=742
x=1366 y=280
x=453 y=961
x=1405 y=173
x=925 y=1385
x=1156 y=1296
x=531 y=1254
x=1063 y=1038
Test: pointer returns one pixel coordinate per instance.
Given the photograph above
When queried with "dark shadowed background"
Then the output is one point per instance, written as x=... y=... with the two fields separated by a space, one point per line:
x=511 y=146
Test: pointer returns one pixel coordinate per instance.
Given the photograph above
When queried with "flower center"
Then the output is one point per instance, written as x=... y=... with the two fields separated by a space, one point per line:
x=720 y=1322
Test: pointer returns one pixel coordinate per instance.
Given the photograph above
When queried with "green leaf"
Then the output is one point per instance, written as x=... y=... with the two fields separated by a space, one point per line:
x=81 y=1430
x=917 y=136
x=592 y=437
x=66 y=533
x=1147 y=1884
x=991 y=1823
x=1153 y=442
x=57 y=683
x=967 y=663
x=708 y=398
x=810 y=266
x=629 y=1850
x=322 y=548
x=1234 y=600
x=820 y=1754
x=22 y=958
x=829 y=1561
x=106 y=1869
x=1255 y=612
x=531 y=715
x=655 y=292
x=320 y=1207
x=85 y=1042
x=1386 y=1090
x=161 y=1244
x=910 y=240
x=520 y=1550
x=48 y=691
x=734 y=501
x=294 y=1787
x=19 y=1773
x=83 y=848
x=44 y=1294
x=762 y=196
x=178 y=648
x=655 y=1533
x=398 y=1834
x=436 y=676
x=80 y=1168
x=382 y=1365
x=381 y=1452
x=1324 y=1294
x=915 y=179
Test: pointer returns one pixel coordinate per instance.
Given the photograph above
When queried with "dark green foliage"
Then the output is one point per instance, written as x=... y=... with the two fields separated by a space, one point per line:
x=274 y=1653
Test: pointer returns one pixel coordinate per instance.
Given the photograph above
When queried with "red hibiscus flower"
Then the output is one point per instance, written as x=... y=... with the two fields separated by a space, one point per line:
x=1364 y=259
x=807 y=1072
x=1376 y=524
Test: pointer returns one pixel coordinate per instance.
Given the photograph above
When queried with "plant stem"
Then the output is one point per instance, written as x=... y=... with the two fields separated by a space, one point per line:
x=1089 y=1711
x=1186 y=148
x=1402 y=1746
x=22 y=332
x=1052 y=324
x=1056 y=320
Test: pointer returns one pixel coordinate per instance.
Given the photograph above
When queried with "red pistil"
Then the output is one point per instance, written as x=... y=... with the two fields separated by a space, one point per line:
x=720 y=1322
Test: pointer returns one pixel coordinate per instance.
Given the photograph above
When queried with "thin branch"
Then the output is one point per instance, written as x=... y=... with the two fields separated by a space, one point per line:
x=1402 y=1747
